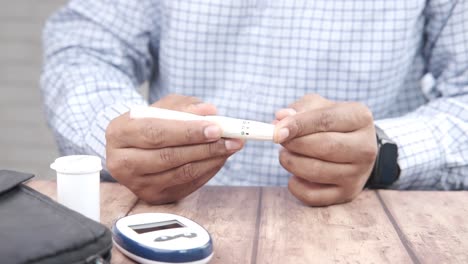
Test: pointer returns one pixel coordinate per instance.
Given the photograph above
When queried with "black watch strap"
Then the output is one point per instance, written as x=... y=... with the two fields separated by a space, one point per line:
x=386 y=170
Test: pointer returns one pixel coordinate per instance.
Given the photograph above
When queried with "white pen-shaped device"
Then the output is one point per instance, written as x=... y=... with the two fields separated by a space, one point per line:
x=231 y=127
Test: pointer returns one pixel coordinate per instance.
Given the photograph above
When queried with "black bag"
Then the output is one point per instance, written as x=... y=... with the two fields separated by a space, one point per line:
x=36 y=229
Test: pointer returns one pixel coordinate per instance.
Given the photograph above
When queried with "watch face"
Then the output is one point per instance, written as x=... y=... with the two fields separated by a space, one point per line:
x=387 y=165
x=386 y=170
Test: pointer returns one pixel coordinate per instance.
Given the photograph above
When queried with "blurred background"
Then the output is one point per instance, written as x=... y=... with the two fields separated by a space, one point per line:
x=26 y=143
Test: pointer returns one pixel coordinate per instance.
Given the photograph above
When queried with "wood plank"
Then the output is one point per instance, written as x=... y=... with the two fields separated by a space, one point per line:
x=116 y=202
x=434 y=224
x=228 y=213
x=48 y=188
x=356 y=232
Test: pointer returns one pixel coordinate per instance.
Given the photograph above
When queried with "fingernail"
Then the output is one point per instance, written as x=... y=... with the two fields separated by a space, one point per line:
x=212 y=132
x=290 y=111
x=285 y=112
x=283 y=134
x=201 y=104
x=232 y=144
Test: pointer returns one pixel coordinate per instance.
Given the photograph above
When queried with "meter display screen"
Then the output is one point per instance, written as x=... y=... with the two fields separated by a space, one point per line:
x=156 y=226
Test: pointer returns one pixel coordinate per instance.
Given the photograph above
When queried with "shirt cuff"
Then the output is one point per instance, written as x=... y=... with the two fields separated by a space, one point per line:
x=419 y=153
x=96 y=138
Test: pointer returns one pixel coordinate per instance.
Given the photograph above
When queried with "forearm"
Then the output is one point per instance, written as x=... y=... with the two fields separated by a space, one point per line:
x=433 y=145
x=81 y=101
x=91 y=71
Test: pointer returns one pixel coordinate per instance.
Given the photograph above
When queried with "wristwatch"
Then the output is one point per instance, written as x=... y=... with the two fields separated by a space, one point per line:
x=386 y=170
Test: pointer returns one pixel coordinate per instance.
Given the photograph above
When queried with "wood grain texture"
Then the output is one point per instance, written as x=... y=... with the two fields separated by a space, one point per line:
x=269 y=225
x=229 y=215
x=48 y=188
x=434 y=224
x=356 y=232
x=116 y=202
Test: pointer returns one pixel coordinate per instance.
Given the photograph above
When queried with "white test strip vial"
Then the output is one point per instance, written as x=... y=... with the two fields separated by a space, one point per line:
x=78 y=184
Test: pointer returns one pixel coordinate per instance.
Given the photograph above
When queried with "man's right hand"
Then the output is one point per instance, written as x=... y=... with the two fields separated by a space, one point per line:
x=162 y=161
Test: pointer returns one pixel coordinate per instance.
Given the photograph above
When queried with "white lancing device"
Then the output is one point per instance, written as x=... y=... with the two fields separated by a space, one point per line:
x=231 y=127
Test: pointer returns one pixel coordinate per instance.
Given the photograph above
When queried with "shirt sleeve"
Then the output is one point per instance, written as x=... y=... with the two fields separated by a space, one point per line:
x=433 y=139
x=96 y=55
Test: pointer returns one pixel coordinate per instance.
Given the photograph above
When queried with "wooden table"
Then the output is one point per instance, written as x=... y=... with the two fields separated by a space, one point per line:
x=268 y=225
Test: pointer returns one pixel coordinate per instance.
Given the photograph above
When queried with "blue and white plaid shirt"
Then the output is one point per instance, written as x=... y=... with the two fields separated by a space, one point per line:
x=251 y=58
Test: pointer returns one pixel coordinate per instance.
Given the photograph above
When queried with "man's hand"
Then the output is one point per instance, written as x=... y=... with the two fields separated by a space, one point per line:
x=329 y=147
x=162 y=161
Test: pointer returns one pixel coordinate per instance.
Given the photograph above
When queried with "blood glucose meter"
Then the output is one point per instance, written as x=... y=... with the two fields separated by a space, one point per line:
x=160 y=238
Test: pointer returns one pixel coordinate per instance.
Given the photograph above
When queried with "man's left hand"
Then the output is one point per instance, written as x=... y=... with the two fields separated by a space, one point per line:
x=329 y=148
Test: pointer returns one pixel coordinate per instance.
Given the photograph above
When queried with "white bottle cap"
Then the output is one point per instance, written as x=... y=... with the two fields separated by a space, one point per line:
x=77 y=164
x=78 y=183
